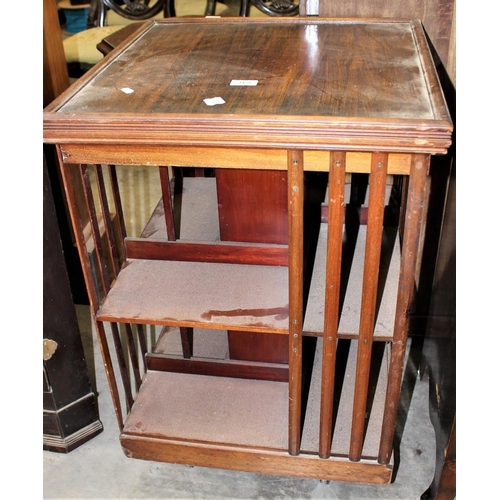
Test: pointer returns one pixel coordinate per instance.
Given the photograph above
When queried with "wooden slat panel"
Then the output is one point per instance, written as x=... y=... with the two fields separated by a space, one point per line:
x=109 y=230
x=110 y=372
x=134 y=359
x=122 y=231
x=229 y=253
x=102 y=265
x=122 y=365
x=345 y=371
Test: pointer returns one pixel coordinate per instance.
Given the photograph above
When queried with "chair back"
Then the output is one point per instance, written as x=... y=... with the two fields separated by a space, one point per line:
x=135 y=10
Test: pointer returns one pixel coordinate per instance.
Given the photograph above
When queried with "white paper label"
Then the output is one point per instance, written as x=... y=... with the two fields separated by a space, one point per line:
x=212 y=101
x=244 y=83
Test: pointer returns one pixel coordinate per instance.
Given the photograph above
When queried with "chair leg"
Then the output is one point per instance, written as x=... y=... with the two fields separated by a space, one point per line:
x=210 y=8
x=245 y=8
x=169 y=9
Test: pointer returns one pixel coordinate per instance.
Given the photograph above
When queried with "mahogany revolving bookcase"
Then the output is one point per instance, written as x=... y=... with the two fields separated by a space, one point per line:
x=274 y=104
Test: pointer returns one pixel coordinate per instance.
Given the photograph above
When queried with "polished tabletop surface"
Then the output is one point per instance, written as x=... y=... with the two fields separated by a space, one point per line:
x=281 y=71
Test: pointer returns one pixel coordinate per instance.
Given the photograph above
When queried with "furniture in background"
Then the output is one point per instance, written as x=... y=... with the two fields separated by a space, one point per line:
x=74 y=15
x=277 y=8
x=439 y=356
x=70 y=413
x=109 y=16
x=341 y=295
x=80 y=48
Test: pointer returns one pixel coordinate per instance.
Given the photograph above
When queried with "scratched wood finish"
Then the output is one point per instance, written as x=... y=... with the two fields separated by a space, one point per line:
x=438 y=18
x=321 y=86
x=313 y=104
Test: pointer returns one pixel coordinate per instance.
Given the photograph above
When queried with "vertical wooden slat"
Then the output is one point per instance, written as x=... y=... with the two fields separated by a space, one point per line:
x=336 y=186
x=117 y=201
x=376 y=204
x=409 y=256
x=110 y=372
x=110 y=236
x=295 y=286
x=142 y=342
x=186 y=333
x=102 y=267
x=167 y=203
x=187 y=341
x=132 y=349
x=122 y=365
x=122 y=235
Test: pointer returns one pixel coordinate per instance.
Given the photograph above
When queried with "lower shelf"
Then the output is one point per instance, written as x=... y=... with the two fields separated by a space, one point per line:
x=242 y=424
x=218 y=410
x=255 y=460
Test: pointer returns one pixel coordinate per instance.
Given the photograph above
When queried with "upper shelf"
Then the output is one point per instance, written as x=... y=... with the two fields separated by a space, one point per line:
x=322 y=83
x=198 y=294
x=160 y=292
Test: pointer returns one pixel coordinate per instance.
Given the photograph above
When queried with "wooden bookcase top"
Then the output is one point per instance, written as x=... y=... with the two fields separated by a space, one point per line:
x=284 y=82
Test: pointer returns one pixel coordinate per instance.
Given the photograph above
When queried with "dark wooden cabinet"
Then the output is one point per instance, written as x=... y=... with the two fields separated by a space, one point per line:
x=70 y=413
x=439 y=356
